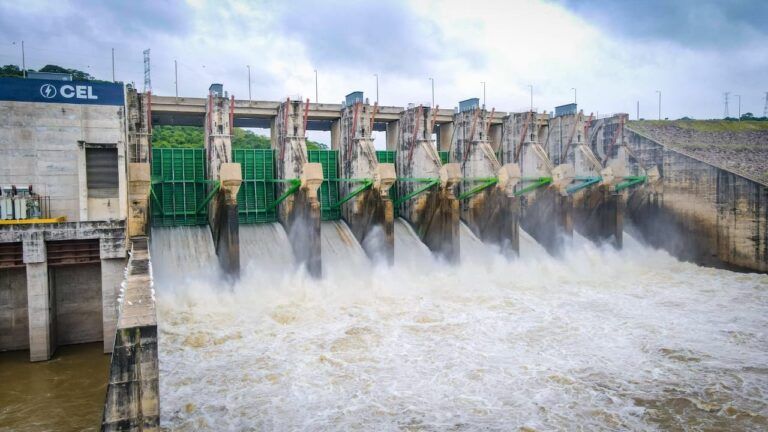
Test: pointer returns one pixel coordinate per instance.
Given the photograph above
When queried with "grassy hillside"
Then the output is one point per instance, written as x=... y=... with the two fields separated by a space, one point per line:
x=703 y=125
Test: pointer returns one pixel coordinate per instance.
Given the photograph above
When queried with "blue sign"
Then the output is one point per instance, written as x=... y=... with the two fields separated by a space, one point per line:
x=54 y=91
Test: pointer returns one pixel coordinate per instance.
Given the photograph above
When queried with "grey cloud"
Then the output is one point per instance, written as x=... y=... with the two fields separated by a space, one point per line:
x=703 y=24
x=382 y=35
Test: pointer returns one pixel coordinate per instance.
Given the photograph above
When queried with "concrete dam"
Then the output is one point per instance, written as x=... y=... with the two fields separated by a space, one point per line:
x=480 y=270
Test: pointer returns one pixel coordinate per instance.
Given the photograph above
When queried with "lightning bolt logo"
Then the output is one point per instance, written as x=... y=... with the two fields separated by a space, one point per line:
x=48 y=91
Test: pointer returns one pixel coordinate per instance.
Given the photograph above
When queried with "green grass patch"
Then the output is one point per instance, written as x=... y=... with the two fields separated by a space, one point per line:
x=703 y=125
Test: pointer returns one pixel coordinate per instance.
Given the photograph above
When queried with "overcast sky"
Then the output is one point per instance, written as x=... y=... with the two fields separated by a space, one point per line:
x=614 y=53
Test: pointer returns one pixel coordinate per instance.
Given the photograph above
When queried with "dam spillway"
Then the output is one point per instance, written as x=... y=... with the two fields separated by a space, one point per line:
x=389 y=288
x=630 y=339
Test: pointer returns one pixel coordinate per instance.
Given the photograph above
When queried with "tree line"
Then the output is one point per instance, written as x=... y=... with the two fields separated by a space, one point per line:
x=194 y=137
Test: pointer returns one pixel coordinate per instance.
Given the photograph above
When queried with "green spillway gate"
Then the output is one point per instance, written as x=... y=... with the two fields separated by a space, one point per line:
x=256 y=198
x=328 y=193
x=179 y=191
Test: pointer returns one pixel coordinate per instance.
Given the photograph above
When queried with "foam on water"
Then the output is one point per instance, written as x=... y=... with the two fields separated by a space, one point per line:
x=600 y=339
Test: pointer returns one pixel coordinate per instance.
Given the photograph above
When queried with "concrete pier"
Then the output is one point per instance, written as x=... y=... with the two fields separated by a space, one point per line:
x=370 y=214
x=133 y=390
x=222 y=209
x=546 y=205
x=597 y=209
x=300 y=211
x=493 y=213
x=435 y=212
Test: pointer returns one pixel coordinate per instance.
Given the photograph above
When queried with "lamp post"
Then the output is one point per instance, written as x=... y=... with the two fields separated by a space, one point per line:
x=574 y=94
x=483 y=83
x=659 y=92
x=316 y=97
x=739 y=96
x=531 y=87
x=433 y=91
x=377 y=87
x=249 y=82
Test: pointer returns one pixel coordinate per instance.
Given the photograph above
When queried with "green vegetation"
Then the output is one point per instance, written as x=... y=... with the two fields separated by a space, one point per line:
x=705 y=125
x=194 y=137
x=77 y=75
x=10 y=71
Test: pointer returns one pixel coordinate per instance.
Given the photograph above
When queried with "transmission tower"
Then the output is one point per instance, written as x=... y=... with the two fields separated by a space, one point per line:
x=726 y=104
x=147 y=79
x=765 y=109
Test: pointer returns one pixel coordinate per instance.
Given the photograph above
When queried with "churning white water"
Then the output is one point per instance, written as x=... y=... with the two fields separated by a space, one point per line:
x=597 y=340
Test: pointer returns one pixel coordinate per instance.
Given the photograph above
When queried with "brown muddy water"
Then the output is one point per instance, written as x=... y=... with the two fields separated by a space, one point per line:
x=63 y=394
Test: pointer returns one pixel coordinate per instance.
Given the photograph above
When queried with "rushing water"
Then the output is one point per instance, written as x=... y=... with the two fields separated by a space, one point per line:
x=597 y=340
x=63 y=394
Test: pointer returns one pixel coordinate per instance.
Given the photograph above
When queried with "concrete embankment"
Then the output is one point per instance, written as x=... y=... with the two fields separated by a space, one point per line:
x=706 y=214
x=132 y=401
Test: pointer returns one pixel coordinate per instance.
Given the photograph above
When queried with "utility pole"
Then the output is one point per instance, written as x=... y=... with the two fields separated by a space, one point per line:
x=377 y=87
x=23 y=61
x=574 y=95
x=531 y=86
x=765 y=109
x=147 y=72
x=176 y=77
x=316 y=97
x=249 y=82
x=113 y=65
x=483 y=83
x=659 y=92
x=638 y=110
x=726 y=94
x=739 y=96
x=433 y=92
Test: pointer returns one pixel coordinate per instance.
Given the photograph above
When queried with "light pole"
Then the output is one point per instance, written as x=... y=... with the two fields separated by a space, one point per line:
x=739 y=96
x=113 y=65
x=176 y=77
x=531 y=86
x=377 y=87
x=483 y=83
x=574 y=94
x=433 y=91
x=659 y=92
x=249 y=82
x=316 y=97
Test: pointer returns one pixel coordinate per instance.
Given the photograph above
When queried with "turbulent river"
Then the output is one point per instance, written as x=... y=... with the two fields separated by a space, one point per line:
x=596 y=340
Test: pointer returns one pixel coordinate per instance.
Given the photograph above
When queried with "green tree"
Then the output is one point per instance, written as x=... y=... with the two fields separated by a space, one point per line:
x=10 y=71
x=77 y=75
x=194 y=137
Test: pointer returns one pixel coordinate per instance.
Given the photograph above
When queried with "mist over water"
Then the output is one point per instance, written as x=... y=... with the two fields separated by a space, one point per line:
x=598 y=339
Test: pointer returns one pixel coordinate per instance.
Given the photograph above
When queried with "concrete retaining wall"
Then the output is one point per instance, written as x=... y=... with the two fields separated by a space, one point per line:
x=132 y=402
x=706 y=215
x=14 y=319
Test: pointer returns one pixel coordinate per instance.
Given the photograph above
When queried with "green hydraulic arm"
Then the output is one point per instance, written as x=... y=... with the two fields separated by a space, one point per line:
x=428 y=184
x=585 y=183
x=630 y=181
x=537 y=182
x=364 y=185
x=208 y=198
x=295 y=184
x=485 y=183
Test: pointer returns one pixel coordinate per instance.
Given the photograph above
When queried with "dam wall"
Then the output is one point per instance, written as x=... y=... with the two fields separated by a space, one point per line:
x=707 y=214
x=133 y=394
